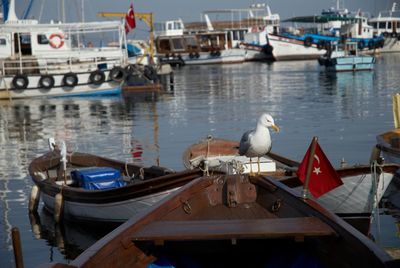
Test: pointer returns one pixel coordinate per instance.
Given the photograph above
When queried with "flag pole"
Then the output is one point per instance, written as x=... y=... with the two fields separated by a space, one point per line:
x=309 y=166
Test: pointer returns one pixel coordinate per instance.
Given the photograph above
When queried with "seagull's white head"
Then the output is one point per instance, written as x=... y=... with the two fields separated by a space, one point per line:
x=266 y=120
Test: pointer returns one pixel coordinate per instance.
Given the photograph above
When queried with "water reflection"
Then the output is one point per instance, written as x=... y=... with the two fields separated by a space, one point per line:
x=69 y=238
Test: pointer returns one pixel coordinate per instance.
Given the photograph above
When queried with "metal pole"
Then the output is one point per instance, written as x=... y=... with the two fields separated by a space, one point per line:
x=16 y=240
x=309 y=166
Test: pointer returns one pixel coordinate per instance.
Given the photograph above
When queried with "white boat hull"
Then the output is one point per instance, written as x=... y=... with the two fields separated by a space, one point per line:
x=84 y=87
x=357 y=194
x=108 y=212
x=226 y=56
x=290 y=49
x=392 y=44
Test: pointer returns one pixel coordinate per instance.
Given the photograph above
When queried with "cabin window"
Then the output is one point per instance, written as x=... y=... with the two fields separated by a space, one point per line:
x=164 y=45
x=234 y=35
x=382 y=25
x=398 y=24
x=375 y=25
x=389 y=25
x=191 y=43
x=177 y=25
x=241 y=35
x=3 y=42
x=177 y=44
x=42 y=39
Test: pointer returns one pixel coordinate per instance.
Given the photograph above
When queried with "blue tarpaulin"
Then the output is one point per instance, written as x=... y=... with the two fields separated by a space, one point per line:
x=98 y=178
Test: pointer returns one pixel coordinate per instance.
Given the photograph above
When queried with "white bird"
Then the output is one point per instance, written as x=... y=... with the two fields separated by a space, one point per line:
x=257 y=142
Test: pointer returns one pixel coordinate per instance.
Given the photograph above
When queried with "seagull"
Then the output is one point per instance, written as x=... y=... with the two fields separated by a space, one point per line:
x=257 y=142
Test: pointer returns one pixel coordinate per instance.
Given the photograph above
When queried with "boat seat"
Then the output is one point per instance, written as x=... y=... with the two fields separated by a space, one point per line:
x=298 y=228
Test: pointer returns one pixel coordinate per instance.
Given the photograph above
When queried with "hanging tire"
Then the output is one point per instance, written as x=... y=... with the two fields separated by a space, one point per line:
x=130 y=69
x=20 y=81
x=321 y=44
x=70 y=80
x=191 y=55
x=197 y=55
x=97 y=77
x=308 y=41
x=46 y=81
x=394 y=34
x=150 y=73
x=117 y=74
x=217 y=53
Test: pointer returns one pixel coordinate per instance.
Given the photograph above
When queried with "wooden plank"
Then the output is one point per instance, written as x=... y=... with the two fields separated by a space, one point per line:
x=231 y=229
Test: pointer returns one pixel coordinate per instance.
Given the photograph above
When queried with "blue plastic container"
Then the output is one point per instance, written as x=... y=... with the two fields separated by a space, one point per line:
x=98 y=178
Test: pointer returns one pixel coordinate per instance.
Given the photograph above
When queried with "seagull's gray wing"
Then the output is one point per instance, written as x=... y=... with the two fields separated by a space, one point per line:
x=245 y=142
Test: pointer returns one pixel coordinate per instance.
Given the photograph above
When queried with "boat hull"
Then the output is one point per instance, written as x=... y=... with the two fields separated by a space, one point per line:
x=83 y=87
x=226 y=56
x=115 y=212
x=290 y=49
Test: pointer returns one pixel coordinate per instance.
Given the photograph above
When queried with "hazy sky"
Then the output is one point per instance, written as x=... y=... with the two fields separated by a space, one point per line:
x=189 y=10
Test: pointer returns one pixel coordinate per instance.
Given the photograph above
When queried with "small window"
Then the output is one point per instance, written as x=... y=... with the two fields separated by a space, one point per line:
x=3 y=42
x=177 y=44
x=191 y=43
x=389 y=25
x=241 y=35
x=42 y=39
x=164 y=46
x=382 y=25
x=234 y=35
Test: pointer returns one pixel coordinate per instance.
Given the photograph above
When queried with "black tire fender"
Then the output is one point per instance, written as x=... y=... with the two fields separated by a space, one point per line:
x=20 y=81
x=97 y=77
x=70 y=79
x=46 y=81
x=117 y=74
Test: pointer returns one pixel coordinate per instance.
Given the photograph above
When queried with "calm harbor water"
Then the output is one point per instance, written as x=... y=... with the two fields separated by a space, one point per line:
x=345 y=111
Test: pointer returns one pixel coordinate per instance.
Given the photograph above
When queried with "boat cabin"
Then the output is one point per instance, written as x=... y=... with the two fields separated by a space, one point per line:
x=24 y=39
x=200 y=42
x=387 y=22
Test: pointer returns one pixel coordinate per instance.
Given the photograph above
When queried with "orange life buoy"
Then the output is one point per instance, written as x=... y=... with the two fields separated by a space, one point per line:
x=56 y=44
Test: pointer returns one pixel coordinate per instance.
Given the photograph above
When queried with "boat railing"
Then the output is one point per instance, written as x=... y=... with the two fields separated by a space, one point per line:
x=52 y=65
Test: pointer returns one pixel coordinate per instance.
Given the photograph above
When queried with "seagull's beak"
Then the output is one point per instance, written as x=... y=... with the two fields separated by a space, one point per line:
x=275 y=127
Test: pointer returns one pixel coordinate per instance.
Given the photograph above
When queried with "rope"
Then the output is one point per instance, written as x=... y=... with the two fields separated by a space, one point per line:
x=127 y=172
x=375 y=185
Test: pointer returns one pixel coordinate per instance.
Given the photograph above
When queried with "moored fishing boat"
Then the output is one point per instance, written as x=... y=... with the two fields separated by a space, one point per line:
x=354 y=201
x=176 y=47
x=87 y=187
x=51 y=59
x=387 y=23
x=234 y=221
x=345 y=57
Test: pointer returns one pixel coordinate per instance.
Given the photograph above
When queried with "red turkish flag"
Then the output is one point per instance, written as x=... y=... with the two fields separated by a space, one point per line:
x=323 y=177
x=130 y=22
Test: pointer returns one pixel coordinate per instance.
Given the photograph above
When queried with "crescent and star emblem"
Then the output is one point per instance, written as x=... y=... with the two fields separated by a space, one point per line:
x=317 y=170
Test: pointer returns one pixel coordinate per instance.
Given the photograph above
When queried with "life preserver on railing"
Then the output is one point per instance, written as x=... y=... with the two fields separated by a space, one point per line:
x=70 y=79
x=53 y=40
x=97 y=77
x=20 y=81
x=117 y=74
x=308 y=41
x=46 y=81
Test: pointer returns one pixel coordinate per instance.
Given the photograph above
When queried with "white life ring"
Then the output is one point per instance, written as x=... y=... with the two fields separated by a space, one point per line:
x=56 y=40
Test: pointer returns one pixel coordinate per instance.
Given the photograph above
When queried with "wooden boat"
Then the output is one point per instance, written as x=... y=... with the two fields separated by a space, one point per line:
x=354 y=201
x=389 y=145
x=96 y=189
x=234 y=221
